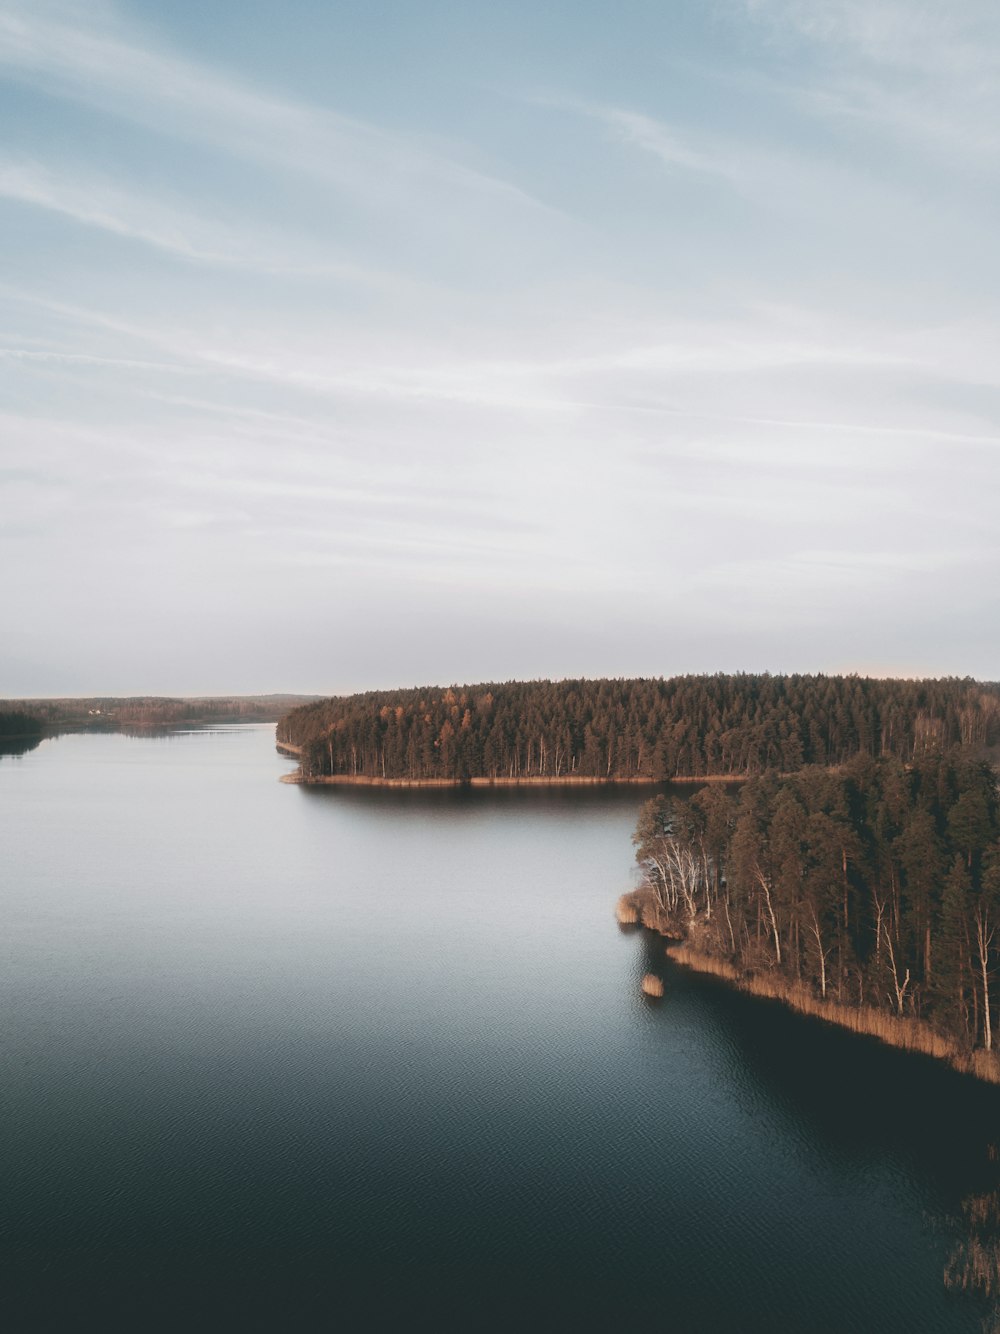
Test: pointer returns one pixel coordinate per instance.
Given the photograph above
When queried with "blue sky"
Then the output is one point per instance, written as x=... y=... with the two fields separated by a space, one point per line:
x=347 y=345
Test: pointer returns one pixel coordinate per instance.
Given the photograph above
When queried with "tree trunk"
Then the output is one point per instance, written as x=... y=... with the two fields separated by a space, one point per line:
x=984 y=939
x=762 y=880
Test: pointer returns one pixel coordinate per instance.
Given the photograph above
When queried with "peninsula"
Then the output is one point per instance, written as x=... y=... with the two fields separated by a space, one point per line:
x=868 y=895
x=855 y=875
x=725 y=727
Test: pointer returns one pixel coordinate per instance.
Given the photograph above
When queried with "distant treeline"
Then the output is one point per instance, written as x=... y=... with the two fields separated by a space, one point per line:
x=694 y=726
x=145 y=711
x=19 y=723
x=876 y=886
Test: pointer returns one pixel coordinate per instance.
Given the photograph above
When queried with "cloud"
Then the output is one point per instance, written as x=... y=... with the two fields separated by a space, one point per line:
x=812 y=578
x=99 y=204
x=54 y=357
x=95 y=63
x=784 y=369
x=920 y=35
x=760 y=383
x=926 y=73
x=673 y=148
x=96 y=205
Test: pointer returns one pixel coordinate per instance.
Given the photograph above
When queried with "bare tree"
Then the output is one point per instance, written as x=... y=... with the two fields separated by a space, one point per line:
x=985 y=931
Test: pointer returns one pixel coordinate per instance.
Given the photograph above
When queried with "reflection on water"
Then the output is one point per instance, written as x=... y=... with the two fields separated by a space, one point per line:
x=973 y=1267
x=14 y=746
x=18 y=745
x=278 y=1056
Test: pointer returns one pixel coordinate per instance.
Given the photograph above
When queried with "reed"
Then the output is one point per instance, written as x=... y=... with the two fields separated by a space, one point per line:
x=652 y=985
x=627 y=911
x=983 y=1211
x=642 y=902
x=974 y=1266
x=909 y=1034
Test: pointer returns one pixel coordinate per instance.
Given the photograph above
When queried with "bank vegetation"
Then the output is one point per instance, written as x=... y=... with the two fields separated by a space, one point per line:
x=656 y=730
x=868 y=895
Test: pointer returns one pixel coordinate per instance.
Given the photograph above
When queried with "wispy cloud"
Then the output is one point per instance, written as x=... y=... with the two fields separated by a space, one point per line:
x=810 y=183
x=673 y=148
x=671 y=368
x=95 y=63
x=927 y=74
x=263 y=353
x=96 y=205
x=100 y=204
x=921 y=35
x=56 y=358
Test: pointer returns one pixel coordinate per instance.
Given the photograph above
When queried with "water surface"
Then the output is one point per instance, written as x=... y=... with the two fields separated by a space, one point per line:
x=274 y=1056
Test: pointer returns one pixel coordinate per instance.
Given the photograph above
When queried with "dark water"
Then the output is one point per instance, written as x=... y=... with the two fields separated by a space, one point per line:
x=279 y=1058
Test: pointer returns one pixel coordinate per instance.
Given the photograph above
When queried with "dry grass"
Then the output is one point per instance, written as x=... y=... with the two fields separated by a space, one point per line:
x=974 y=1266
x=910 y=1034
x=974 y=1263
x=657 y=920
x=643 y=903
x=567 y=780
x=627 y=911
x=982 y=1210
x=652 y=985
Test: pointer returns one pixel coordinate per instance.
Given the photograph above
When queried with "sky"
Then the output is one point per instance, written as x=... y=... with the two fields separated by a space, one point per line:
x=349 y=344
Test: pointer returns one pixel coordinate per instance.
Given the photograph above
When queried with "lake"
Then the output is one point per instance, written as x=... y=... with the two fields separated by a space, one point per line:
x=273 y=1057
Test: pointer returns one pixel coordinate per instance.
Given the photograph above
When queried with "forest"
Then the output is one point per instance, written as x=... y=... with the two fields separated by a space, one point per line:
x=657 y=729
x=139 y=712
x=854 y=869
x=18 y=723
x=875 y=886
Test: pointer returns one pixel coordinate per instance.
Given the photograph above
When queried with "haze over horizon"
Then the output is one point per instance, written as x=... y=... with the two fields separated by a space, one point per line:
x=346 y=347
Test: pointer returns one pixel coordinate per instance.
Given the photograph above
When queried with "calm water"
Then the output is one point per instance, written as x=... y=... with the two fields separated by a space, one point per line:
x=273 y=1057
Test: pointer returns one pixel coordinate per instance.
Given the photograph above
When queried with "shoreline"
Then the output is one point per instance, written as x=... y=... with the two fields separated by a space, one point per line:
x=566 y=780
x=906 y=1034
x=366 y=780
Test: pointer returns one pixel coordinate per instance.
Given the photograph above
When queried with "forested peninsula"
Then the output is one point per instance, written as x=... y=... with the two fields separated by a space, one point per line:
x=854 y=873
x=868 y=895
x=656 y=730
